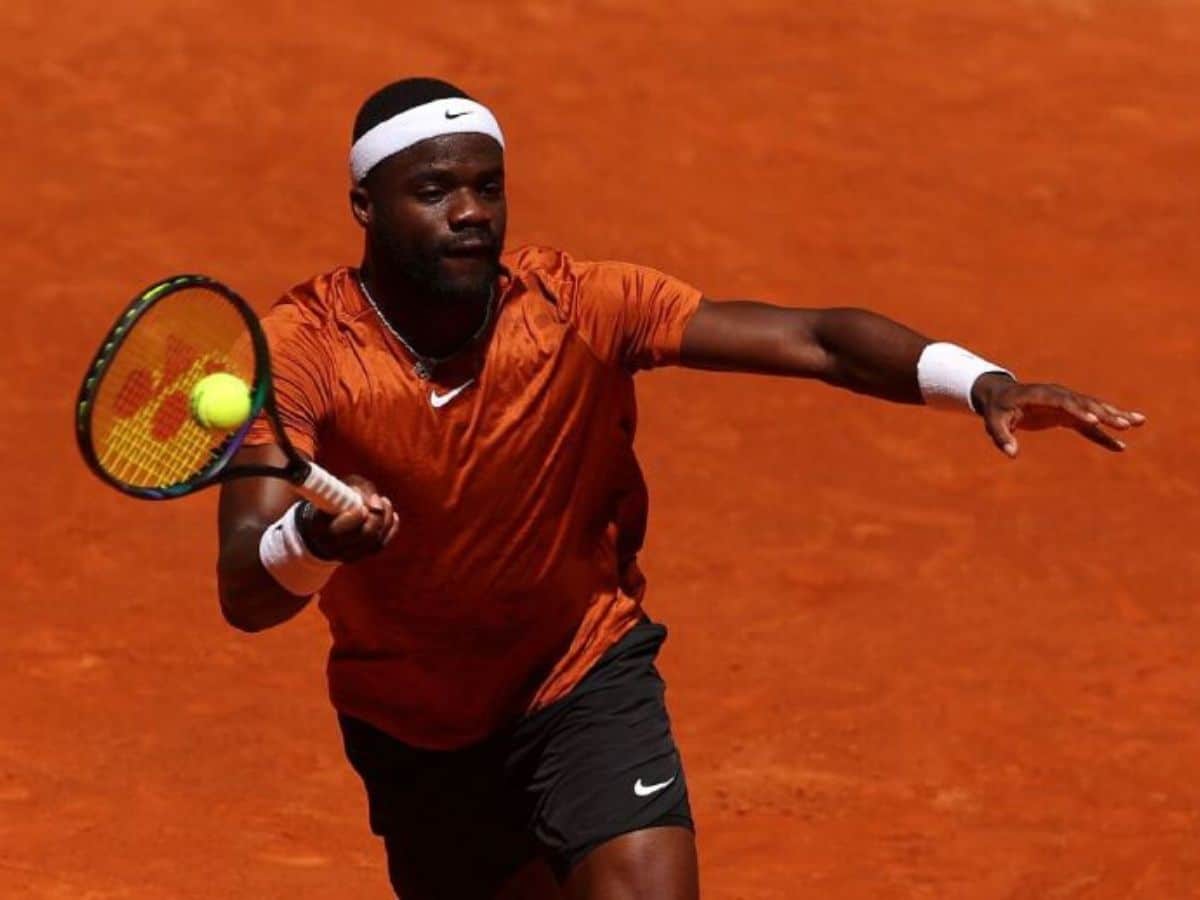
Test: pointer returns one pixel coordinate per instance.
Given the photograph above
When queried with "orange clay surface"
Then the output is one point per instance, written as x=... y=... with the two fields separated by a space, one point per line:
x=900 y=665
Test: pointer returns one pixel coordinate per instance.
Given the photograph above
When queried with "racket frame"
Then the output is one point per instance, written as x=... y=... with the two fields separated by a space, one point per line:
x=262 y=399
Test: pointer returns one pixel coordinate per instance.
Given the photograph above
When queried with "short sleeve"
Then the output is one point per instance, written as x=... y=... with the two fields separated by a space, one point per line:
x=631 y=315
x=301 y=377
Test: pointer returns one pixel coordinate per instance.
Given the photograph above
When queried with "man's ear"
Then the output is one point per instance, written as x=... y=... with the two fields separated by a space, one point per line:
x=360 y=205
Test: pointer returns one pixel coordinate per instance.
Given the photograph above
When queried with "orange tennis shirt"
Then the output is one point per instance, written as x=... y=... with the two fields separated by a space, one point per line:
x=522 y=505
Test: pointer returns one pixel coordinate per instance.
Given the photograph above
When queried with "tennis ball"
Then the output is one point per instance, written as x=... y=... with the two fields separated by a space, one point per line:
x=220 y=401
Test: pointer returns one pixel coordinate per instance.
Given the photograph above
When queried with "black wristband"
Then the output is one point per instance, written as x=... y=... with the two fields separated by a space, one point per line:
x=305 y=517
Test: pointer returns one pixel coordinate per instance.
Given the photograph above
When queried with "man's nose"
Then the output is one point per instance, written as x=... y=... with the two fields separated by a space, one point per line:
x=468 y=211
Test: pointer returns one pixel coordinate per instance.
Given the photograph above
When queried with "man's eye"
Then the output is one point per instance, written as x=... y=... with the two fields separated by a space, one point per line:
x=493 y=189
x=430 y=194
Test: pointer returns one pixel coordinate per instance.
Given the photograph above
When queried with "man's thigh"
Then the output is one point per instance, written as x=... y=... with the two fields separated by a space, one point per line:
x=602 y=765
x=533 y=882
x=453 y=873
x=452 y=827
x=654 y=862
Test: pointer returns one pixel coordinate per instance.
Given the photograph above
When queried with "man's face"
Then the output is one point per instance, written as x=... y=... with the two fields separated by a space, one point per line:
x=436 y=212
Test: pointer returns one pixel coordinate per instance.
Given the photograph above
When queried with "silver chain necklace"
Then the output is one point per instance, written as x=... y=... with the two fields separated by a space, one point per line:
x=423 y=366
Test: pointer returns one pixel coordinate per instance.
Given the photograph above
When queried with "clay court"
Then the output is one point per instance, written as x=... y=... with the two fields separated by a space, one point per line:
x=900 y=665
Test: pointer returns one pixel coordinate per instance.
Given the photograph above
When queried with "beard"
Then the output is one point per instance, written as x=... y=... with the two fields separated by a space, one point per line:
x=437 y=273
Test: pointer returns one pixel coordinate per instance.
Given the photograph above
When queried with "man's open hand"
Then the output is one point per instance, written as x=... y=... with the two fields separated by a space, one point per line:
x=1008 y=405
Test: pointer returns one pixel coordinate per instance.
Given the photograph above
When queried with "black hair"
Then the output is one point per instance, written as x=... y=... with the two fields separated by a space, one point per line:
x=398 y=97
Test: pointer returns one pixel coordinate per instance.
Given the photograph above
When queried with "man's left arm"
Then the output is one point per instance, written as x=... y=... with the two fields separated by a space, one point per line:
x=870 y=354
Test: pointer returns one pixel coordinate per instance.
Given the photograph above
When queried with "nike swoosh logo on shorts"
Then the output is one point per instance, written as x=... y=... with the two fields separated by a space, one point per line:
x=645 y=790
x=439 y=400
x=450 y=115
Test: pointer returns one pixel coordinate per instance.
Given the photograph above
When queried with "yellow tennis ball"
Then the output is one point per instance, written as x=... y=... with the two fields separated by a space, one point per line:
x=220 y=401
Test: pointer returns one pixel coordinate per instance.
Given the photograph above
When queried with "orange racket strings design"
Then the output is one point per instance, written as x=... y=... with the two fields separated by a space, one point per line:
x=143 y=431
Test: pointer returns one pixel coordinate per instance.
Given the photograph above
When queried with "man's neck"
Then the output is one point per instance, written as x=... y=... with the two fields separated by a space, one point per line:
x=434 y=327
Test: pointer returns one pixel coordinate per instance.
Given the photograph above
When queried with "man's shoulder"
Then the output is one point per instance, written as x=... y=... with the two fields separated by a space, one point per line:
x=554 y=267
x=537 y=261
x=314 y=305
x=560 y=274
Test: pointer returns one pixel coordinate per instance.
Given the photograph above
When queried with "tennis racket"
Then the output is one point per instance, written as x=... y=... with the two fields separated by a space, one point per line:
x=133 y=420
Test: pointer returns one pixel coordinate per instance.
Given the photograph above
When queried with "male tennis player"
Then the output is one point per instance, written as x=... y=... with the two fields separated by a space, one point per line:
x=492 y=668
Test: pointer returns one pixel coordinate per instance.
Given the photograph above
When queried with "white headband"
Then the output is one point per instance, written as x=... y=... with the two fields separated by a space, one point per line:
x=455 y=115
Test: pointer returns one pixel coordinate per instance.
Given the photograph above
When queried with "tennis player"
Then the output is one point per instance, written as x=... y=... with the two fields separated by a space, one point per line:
x=492 y=667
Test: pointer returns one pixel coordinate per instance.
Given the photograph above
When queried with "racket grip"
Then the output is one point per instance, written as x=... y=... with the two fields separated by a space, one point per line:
x=327 y=492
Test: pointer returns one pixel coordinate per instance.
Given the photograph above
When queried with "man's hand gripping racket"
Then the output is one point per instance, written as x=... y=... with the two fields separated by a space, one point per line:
x=134 y=421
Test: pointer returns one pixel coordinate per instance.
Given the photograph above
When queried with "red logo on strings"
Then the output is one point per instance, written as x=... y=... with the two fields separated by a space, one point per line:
x=143 y=387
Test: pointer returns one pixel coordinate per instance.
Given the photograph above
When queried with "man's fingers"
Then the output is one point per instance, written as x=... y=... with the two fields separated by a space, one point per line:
x=1098 y=435
x=1106 y=413
x=369 y=535
x=1093 y=411
x=348 y=522
x=1091 y=414
x=1120 y=418
x=999 y=427
x=379 y=523
x=392 y=524
x=372 y=533
x=1048 y=401
x=1078 y=407
x=359 y=519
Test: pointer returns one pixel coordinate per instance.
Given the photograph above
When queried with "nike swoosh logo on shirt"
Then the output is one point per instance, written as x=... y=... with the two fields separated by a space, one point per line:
x=450 y=115
x=645 y=790
x=439 y=400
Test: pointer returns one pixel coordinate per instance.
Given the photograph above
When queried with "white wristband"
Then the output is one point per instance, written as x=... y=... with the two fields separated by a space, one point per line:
x=285 y=556
x=947 y=372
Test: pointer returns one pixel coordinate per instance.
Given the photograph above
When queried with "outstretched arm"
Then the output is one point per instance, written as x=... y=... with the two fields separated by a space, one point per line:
x=869 y=353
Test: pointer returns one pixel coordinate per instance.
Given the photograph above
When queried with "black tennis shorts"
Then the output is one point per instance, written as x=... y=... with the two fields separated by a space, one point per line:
x=596 y=764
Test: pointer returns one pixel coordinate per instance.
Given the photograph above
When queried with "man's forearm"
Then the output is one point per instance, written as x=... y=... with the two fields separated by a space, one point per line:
x=869 y=353
x=251 y=600
x=852 y=348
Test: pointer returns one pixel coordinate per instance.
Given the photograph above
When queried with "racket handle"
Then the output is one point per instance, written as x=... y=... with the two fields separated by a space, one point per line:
x=327 y=492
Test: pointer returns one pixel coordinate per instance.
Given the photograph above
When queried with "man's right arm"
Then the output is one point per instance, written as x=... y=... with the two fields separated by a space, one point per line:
x=251 y=599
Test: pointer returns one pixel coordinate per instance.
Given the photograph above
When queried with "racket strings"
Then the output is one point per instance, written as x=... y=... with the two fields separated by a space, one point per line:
x=155 y=463
x=143 y=431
